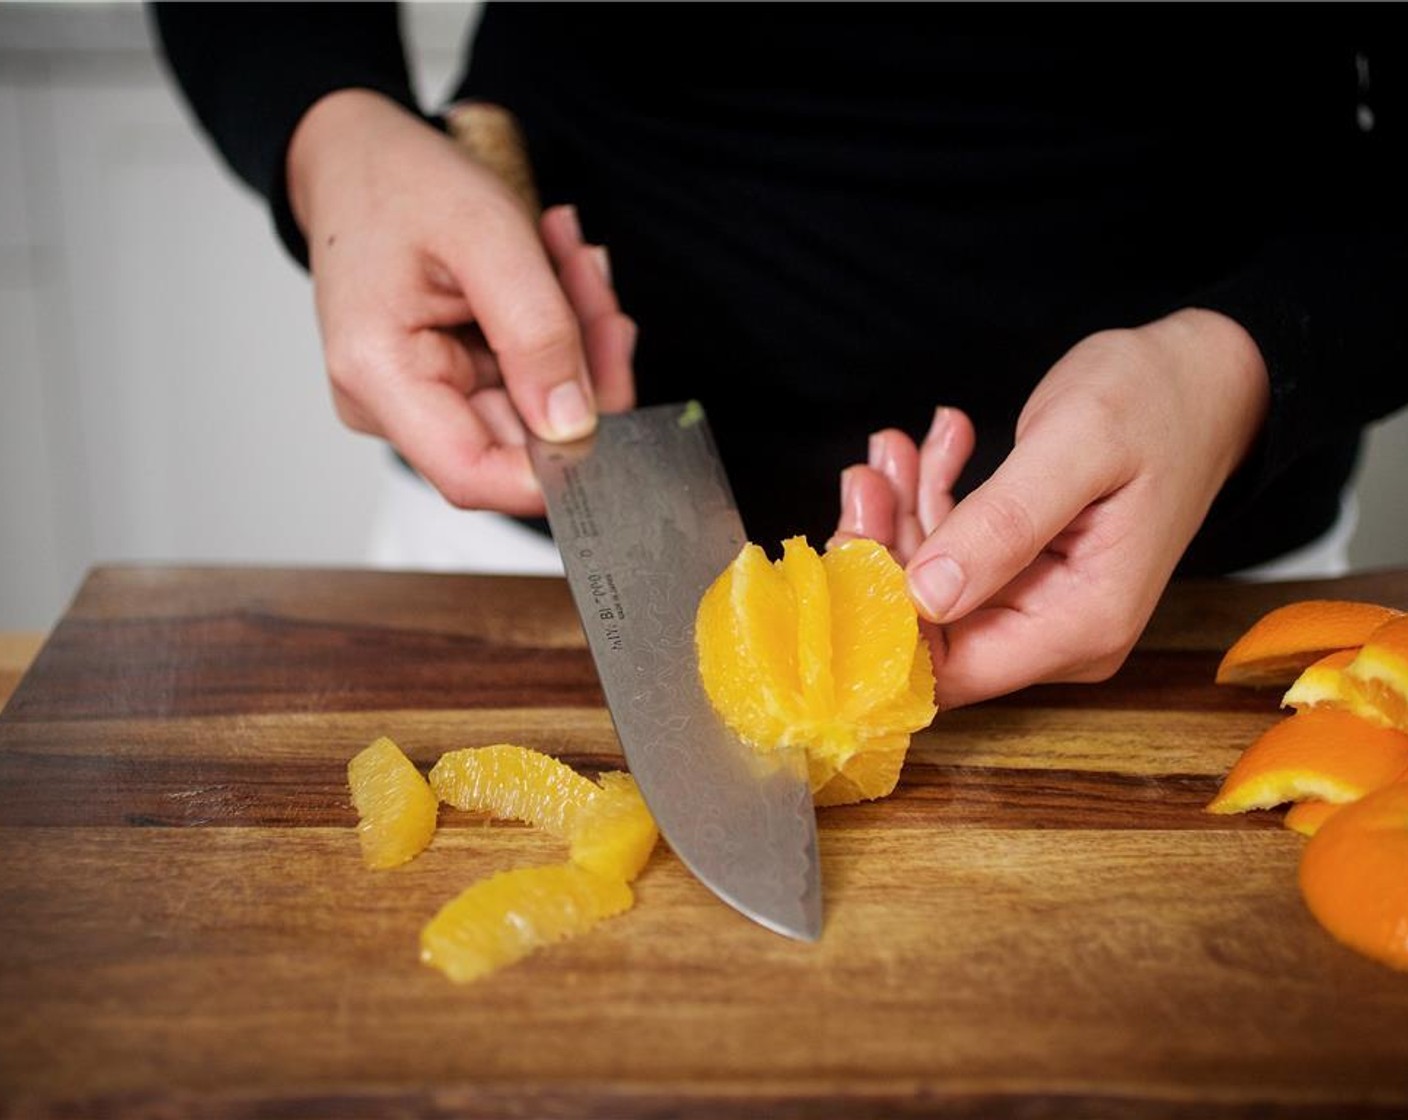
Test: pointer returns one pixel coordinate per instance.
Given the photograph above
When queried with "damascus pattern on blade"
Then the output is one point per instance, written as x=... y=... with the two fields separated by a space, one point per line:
x=645 y=520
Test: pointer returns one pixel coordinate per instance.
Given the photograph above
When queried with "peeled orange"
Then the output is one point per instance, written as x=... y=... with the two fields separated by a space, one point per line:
x=1354 y=875
x=1287 y=640
x=821 y=652
x=395 y=807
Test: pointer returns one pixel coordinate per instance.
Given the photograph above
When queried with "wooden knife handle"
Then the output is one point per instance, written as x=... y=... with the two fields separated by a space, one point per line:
x=491 y=135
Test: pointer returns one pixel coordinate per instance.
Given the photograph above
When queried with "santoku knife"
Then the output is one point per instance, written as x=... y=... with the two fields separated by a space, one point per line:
x=645 y=520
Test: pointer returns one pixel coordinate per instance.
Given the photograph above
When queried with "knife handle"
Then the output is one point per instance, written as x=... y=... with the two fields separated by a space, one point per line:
x=490 y=134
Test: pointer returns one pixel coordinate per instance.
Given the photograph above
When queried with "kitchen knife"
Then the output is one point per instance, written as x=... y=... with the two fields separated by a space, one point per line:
x=644 y=519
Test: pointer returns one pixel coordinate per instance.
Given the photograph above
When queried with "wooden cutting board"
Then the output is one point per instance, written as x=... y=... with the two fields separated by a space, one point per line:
x=1041 y=921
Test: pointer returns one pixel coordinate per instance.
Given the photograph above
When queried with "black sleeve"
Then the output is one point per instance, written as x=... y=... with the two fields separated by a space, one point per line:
x=1327 y=302
x=250 y=72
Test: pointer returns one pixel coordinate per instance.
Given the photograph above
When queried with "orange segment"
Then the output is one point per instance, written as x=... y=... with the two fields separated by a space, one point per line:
x=873 y=624
x=1322 y=753
x=1306 y=817
x=806 y=575
x=395 y=808
x=822 y=652
x=1287 y=640
x=513 y=783
x=502 y=919
x=745 y=632
x=615 y=834
x=1354 y=875
x=864 y=776
x=1381 y=671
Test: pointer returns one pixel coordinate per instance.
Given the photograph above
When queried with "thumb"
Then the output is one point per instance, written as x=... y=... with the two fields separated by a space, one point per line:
x=994 y=533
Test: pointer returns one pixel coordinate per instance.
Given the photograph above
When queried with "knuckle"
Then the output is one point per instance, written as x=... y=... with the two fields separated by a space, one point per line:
x=1005 y=521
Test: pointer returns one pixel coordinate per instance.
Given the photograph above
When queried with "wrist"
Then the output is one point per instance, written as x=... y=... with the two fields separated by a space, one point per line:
x=326 y=130
x=1227 y=371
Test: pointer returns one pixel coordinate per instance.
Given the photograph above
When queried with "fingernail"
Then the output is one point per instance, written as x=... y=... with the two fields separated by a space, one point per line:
x=943 y=417
x=603 y=261
x=936 y=585
x=569 y=413
x=574 y=222
x=875 y=451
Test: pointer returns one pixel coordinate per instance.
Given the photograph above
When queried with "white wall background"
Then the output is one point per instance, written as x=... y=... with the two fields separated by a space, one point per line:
x=161 y=388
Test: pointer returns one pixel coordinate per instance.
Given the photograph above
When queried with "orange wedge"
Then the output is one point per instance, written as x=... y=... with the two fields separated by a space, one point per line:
x=1380 y=671
x=1322 y=753
x=819 y=652
x=395 y=807
x=1354 y=875
x=1289 y=639
x=1306 y=817
x=502 y=919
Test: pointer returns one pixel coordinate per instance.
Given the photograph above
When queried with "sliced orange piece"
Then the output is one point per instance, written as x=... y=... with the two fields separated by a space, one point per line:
x=822 y=652
x=513 y=783
x=1380 y=671
x=746 y=634
x=395 y=807
x=502 y=919
x=1287 y=640
x=606 y=822
x=866 y=775
x=615 y=834
x=1354 y=875
x=1322 y=753
x=1307 y=816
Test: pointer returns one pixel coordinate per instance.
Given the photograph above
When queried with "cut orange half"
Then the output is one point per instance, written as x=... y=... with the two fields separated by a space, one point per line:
x=395 y=807
x=1322 y=753
x=1287 y=640
x=1354 y=875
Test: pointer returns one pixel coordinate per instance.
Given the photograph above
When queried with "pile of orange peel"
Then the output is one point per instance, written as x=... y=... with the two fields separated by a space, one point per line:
x=1340 y=761
x=499 y=920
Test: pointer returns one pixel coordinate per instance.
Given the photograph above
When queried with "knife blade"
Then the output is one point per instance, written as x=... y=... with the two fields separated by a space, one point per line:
x=645 y=520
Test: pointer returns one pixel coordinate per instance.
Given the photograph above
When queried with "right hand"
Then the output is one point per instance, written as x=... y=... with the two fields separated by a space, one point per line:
x=449 y=322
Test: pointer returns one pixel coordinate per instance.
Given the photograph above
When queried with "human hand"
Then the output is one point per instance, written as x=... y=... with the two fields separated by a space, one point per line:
x=1050 y=569
x=449 y=322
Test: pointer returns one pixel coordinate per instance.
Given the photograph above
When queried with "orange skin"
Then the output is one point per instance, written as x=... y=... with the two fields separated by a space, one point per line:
x=1283 y=643
x=1354 y=875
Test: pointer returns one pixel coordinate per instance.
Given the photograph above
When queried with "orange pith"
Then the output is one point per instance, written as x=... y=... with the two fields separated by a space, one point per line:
x=1354 y=875
x=1287 y=640
x=1380 y=671
x=1321 y=753
x=1327 y=684
x=396 y=809
x=819 y=652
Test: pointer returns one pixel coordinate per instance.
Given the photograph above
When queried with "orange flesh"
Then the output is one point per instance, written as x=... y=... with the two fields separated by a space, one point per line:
x=396 y=809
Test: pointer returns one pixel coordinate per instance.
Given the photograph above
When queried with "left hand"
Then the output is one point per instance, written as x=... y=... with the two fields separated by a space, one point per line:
x=1050 y=569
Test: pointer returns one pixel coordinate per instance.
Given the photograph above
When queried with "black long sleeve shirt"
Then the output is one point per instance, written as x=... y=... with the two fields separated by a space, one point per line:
x=829 y=218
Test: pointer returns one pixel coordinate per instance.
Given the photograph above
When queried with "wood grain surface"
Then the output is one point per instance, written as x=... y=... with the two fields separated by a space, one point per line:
x=1040 y=922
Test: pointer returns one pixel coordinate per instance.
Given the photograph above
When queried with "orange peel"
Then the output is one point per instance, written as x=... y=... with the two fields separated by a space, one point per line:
x=1284 y=642
x=1354 y=875
x=1323 y=753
